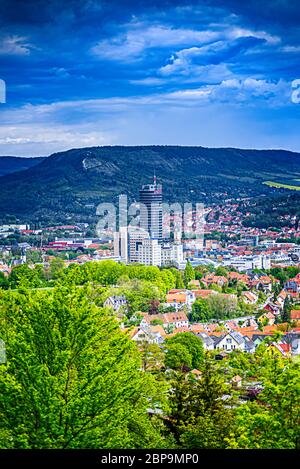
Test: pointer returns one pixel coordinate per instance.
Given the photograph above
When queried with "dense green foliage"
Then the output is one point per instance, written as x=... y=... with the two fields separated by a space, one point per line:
x=271 y=211
x=214 y=307
x=184 y=350
x=70 y=377
x=12 y=164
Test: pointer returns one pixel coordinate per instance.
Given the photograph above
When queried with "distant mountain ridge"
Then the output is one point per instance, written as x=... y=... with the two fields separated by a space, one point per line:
x=69 y=185
x=12 y=164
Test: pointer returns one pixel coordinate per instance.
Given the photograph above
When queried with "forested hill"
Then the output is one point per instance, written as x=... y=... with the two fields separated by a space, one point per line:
x=71 y=183
x=11 y=164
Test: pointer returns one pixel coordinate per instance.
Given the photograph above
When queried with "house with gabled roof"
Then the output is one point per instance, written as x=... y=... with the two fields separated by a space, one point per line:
x=295 y=314
x=267 y=317
x=281 y=297
x=249 y=297
x=181 y=298
x=212 y=279
x=116 y=302
x=229 y=341
x=293 y=284
x=176 y=320
x=148 y=335
x=249 y=323
x=204 y=293
x=263 y=283
x=273 y=308
x=207 y=341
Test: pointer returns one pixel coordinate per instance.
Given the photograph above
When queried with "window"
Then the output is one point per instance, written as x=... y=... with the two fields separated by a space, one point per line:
x=228 y=341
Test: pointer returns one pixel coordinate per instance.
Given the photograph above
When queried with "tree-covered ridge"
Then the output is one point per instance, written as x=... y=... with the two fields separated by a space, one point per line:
x=12 y=164
x=69 y=183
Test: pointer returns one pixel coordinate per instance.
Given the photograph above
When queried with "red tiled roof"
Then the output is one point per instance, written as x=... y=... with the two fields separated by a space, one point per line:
x=295 y=314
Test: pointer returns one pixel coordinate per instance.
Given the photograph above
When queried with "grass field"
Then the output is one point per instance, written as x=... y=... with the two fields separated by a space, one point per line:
x=279 y=185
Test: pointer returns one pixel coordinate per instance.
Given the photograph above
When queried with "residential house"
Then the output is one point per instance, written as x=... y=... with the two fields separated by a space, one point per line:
x=239 y=277
x=237 y=381
x=218 y=280
x=179 y=299
x=293 y=285
x=248 y=323
x=176 y=320
x=5 y=269
x=281 y=298
x=295 y=314
x=116 y=302
x=249 y=297
x=268 y=318
x=273 y=308
x=229 y=341
x=258 y=338
x=249 y=345
x=295 y=344
x=194 y=284
x=204 y=294
x=208 y=343
x=230 y=325
x=148 y=334
x=196 y=373
x=282 y=348
x=263 y=283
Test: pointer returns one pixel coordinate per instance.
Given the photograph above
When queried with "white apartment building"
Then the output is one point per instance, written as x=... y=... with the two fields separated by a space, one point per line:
x=171 y=254
x=243 y=263
x=121 y=244
x=149 y=252
x=136 y=238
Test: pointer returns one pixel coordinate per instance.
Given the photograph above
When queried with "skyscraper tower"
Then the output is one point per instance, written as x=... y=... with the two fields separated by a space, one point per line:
x=151 y=210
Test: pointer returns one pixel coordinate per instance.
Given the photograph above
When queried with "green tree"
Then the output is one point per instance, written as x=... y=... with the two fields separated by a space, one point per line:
x=192 y=344
x=199 y=416
x=178 y=357
x=72 y=378
x=200 y=311
x=286 y=312
x=152 y=356
x=271 y=422
x=179 y=280
x=222 y=306
x=222 y=271
x=23 y=275
x=56 y=269
x=189 y=273
x=4 y=283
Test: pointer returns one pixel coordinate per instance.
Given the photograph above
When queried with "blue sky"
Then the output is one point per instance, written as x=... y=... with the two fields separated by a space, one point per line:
x=88 y=72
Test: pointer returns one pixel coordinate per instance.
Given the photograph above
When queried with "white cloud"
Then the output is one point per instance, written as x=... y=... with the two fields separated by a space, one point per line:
x=43 y=129
x=237 y=33
x=138 y=38
x=248 y=90
x=182 y=63
x=149 y=81
x=290 y=49
x=15 y=45
x=39 y=139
